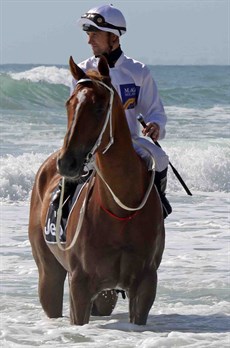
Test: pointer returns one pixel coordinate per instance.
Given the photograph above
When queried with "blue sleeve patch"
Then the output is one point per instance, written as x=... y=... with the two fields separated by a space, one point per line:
x=129 y=95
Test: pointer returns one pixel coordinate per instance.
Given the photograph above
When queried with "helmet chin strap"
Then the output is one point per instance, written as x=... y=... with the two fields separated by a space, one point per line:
x=110 y=47
x=112 y=54
x=110 y=42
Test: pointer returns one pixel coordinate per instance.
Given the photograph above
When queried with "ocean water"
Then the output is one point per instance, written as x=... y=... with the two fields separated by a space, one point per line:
x=192 y=304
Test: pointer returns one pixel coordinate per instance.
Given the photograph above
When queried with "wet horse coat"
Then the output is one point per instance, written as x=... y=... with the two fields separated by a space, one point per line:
x=115 y=247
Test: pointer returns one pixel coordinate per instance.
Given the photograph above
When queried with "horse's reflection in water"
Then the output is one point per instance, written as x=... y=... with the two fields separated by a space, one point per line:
x=116 y=247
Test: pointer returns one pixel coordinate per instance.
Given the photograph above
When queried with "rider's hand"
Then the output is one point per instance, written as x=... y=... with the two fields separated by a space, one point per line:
x=152 y=130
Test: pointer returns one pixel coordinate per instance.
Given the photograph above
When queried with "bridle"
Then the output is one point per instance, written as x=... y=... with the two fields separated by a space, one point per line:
x=108 y=119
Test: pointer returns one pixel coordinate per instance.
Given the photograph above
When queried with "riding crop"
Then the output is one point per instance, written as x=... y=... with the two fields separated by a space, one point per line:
x=141 y=120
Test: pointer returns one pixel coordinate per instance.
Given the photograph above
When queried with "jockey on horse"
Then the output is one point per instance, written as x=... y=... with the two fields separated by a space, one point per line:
x=138 y=91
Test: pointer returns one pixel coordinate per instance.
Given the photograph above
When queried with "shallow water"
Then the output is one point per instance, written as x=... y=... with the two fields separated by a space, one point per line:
x=192 y=304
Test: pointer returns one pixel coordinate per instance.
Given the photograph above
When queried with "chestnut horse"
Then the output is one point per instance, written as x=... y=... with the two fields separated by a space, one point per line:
x=117 y=245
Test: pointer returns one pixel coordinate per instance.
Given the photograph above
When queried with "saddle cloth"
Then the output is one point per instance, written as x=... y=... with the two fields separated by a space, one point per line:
x=51 y=218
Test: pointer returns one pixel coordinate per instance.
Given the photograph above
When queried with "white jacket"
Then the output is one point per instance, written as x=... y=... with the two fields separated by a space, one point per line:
x=138 y=92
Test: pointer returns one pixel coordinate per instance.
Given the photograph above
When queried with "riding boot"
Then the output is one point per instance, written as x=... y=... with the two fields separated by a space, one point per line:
x=161 y=183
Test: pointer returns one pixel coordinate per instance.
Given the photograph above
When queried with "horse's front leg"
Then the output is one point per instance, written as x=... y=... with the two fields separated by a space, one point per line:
x=142 y=296
x=51 y=274
x=80 y=299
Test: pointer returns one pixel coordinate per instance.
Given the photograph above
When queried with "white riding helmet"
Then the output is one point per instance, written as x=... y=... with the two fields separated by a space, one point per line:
x=104 y=18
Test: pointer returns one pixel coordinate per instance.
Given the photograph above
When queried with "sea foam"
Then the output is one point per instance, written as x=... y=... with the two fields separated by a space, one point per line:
x=48 y=74
x=17 y=175
x=203 y=169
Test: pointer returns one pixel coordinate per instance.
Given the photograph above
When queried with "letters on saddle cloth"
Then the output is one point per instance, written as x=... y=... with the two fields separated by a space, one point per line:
x=51 y=219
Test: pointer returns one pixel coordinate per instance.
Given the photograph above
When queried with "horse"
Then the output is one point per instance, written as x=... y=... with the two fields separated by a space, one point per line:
x=120 y=241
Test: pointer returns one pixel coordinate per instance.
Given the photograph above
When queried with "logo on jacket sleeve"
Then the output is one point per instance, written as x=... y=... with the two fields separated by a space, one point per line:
x=129 y=95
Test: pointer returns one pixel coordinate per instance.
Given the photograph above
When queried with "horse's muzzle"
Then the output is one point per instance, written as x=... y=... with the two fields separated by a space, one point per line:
x=69 y=166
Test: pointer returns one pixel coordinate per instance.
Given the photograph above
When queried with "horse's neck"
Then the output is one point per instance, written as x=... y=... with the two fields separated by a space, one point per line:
x=121 y=167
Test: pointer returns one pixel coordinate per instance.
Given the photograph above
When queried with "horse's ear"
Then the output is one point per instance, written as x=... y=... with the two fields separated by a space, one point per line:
x=76 y=72
x=103 y=67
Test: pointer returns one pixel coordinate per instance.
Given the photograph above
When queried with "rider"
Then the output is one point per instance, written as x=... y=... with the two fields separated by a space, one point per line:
x=138 y=92
x=133 y=81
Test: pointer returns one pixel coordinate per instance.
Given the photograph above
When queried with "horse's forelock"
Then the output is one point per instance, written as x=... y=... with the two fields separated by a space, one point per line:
x=94 y=75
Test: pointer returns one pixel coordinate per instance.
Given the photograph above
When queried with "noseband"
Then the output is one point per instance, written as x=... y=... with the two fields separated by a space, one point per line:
x=107 y=119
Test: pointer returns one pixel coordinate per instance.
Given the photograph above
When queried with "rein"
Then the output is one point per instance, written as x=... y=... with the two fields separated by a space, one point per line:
x=98 y=142
x=81 y=216
x=88 y=157
x=117 y=200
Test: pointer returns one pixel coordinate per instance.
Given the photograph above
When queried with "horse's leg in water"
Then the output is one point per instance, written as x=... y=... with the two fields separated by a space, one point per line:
x=105 y=303
x=80 y=298
x=142 y=297
x=51 y=274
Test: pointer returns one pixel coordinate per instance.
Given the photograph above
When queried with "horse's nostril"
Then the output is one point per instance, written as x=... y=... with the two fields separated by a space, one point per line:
x=72 y=164
x=68 y=165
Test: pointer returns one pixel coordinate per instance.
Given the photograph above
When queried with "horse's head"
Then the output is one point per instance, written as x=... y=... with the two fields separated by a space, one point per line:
x=89 y=112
